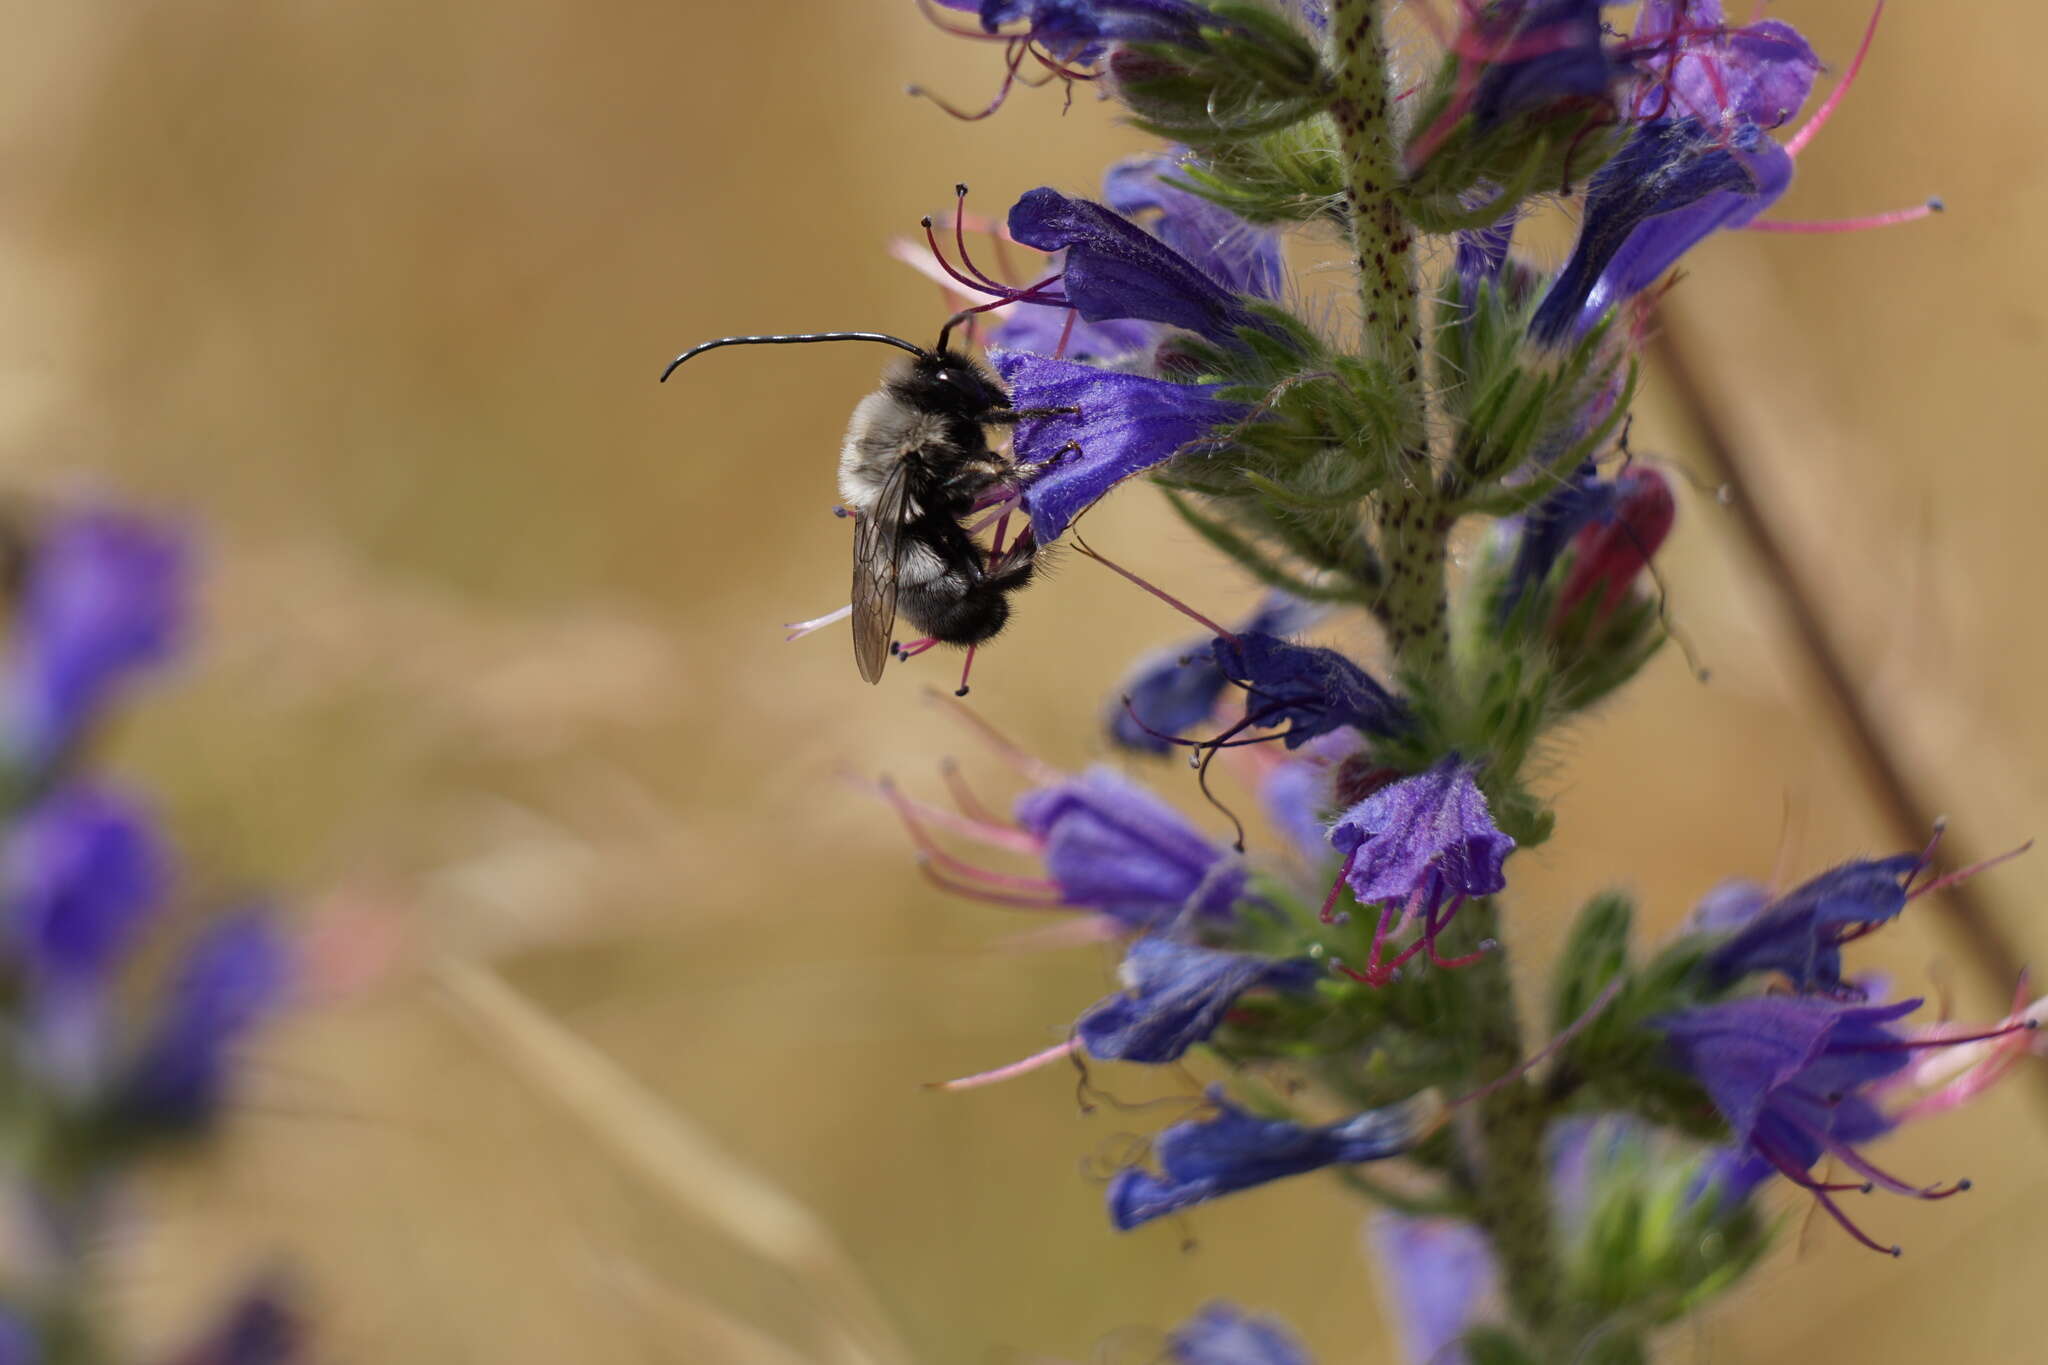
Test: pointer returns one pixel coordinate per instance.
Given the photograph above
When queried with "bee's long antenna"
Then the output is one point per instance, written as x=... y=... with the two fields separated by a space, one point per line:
x=882 y=337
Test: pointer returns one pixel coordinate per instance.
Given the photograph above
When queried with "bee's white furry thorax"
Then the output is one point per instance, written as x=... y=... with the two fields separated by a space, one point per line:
x=883 y=430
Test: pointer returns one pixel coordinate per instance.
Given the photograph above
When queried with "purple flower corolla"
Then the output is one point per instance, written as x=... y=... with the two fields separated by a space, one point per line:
x=1791 y=1077
x=1544 y=533
x=1114 y=847
x=1172 y=690
x=1439 y=1278
x=1546 y=51
x=1207 y=1158
x=1310 y=689
x=105 y=599
x=1424 y=841
x=1690 y=63
x=233 y=976
x=1041 y=329
x=1176 y=995
x=17 y=1341
x=1672 y=184
x=1224 y=1334
x=83 y=870
x=1800 y=935
x=1243 y=259
x=1112 y=268
x=1076 y=30
x=1124 y=425
x=263 y=1327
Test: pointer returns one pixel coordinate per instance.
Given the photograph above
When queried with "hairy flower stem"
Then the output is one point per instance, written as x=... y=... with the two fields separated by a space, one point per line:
x=1511 y=1198
x=1412 y=531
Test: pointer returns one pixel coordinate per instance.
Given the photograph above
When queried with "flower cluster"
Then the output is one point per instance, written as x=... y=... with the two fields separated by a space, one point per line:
x=1351 y=971
x=87 y=875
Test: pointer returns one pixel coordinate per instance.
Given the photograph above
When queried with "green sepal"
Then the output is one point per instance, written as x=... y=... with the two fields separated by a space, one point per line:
x=1287 y=175
x=1253 y=74
x=1595 y=954
x=1489 y=1345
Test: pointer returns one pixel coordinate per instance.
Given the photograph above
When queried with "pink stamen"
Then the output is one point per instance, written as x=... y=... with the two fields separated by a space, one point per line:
x=960 y=240
x=988 y=832
x=1160 y=593
x=970 y=805
x=1015 y=901
x=965 y=668
x=938 y=21
x=1027 y=763
x=1059 y=352
x=1964 y=874
x=1329 y=911
x=1074 y=932
x=1013 y=59
x=1797 y=142
x=1549 y=1049
x=1003 y=1073
x=1792 y=1172
x=798 y=629
x=1916 y=1044
x=1874 y=220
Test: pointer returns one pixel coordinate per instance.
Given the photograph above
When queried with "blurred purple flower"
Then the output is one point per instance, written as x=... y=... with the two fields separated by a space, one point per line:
x=1801 y=934
x=233 y=976
x=1545 y=52
x=263 y=1328
x=84 y=868
x=1202 y=1160
x=1113 y=846
x=1224 y=1334
x=1438 y=1277
x=1173 y=690
x=1176 y=994
x=105 y=599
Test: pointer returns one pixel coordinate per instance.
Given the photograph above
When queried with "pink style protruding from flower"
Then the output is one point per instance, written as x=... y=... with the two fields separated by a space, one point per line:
x=1961 y=1063
x=1611 y=554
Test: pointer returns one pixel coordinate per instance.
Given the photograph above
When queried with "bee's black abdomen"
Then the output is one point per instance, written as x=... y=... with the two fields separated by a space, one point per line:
x=969 y=619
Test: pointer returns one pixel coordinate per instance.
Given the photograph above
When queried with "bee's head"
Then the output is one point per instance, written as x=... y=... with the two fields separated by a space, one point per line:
x=947 y=381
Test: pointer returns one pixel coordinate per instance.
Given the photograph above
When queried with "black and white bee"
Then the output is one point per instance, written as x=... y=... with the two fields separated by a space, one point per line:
x=915 y=462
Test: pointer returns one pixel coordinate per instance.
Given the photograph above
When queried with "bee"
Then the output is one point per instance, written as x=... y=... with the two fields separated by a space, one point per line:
x=915 y=462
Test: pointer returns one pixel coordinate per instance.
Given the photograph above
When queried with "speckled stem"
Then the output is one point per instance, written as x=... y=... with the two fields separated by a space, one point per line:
x=1412 y=604
x=1506 y=1146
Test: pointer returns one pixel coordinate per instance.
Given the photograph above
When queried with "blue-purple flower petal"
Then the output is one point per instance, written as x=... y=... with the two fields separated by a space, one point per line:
x=105 y=599
x=1112 y=268
x=1223 y=1334
x=1242 y=258
x=1116 y=848
x=1174 y=690
x=1426 y=840
x=84 y=868
x=1801 y=933
x=1309 y=689
x=1440 y=1280
x=1552 y=52
x=1126 y=424
x=1233 y=1151
x=1672 y=184
x=1177 y=995
x=234 y=976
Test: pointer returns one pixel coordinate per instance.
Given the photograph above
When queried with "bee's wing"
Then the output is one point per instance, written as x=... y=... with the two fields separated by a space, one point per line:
x=877 y=548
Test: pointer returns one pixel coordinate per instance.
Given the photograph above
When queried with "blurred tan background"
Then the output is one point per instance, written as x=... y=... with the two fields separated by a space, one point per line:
x=374 y=296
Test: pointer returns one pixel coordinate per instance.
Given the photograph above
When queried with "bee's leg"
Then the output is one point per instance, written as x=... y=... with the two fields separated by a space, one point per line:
x=1037 y=467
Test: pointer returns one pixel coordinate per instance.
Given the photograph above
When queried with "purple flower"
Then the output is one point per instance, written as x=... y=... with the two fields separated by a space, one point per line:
x=17 y=1341
x=1125 y=425
x=1439 y=1277
x=1223 y=1334
x=1115 y=269
x=1802 y=932
x=1548 y=528
x=1728 y=907
x=1549 y=51
x=1173 y=690
x=1482 y=253
x=83 y=870
x=1041 y=329
x=1243 y=259
x=1672 y=183
x=1075 y=30
x=264 y=1327
x=1790 y=1076
x=1311 y=690
x=1612 y=551
x=105 y=599
x=1691 y=64
x=1177 y=996
x=233 y=976
x=1424 y=841
x=1233 y=1151
x=1114 y=847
